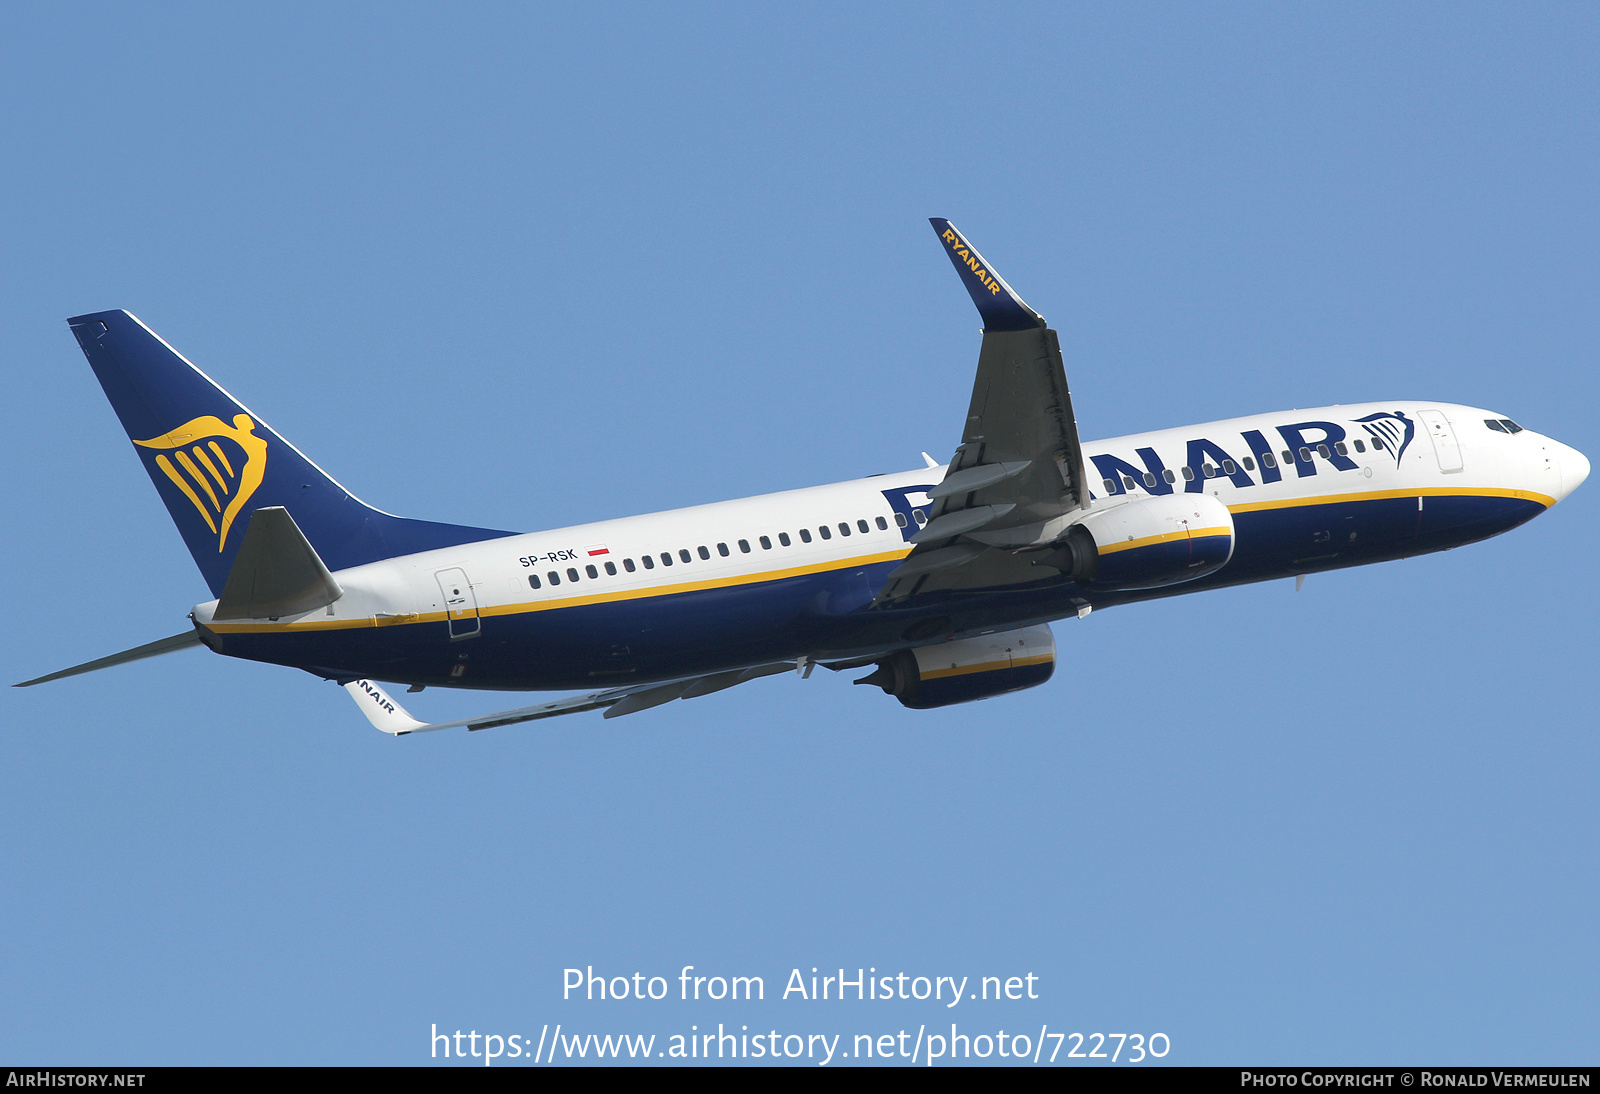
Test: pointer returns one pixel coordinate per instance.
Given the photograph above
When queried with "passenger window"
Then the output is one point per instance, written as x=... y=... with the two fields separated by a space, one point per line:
x=822 y=530
x=783 y=538
x=1227 y=467
x=1129 y=483
x=611 y=568
x=1111 y=487
x=1268 y=460
x=1288 y=457
x=649 y=563
x=707 y=554
x=919 y=516
x=883 y=525
x=844 y=528
x=683 y=553
x=627 y=564
x=1168 y=475
x=1322 y=450
x=591 y=571
x=899 y=519
x=1249 y=464
x=1360 y=447
x=533 y=580
x=666 y=558
x=572 y=574
x=863 y=527
x=553 y=577
x=1305 y=454
x=1210 y=470
x=1188 y=474
x=1377 y=444
x=1149 y=480
x=805 y=535
x=744 y=546
x=1338 y=446
x=766 y=544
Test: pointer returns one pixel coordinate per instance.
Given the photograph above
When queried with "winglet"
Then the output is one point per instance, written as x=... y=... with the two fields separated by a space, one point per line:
x=383 y=712
x=1000 y=307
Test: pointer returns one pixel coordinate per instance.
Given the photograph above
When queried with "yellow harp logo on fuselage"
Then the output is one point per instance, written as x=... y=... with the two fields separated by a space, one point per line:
x=200 y=466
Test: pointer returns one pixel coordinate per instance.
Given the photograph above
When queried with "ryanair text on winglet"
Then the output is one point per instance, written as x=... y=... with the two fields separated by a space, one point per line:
x=964 y=252
x=376 y=696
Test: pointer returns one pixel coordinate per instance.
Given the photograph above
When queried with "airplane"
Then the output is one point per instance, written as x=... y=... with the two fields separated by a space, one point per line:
x=943 y=580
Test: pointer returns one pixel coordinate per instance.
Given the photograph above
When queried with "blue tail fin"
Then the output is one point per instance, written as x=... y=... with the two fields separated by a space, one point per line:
x=214 y=462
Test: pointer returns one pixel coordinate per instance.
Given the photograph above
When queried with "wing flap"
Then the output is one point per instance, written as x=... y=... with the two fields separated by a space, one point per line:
x=388 y=716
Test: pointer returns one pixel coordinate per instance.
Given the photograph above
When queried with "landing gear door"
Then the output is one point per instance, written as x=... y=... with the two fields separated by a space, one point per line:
x=460 y=605
x=1445 y=445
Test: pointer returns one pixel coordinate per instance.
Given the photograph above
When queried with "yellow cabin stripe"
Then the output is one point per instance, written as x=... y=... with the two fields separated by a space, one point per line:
x=799 y=571
x=695 y=586
x=575 y=601
x=327 y=624
x=1378 y=495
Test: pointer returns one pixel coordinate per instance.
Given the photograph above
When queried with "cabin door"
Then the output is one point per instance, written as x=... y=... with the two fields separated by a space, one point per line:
x=1445 y=445
x=460 y=605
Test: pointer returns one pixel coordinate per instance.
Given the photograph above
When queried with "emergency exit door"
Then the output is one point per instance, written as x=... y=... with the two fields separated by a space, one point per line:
x=460 y=605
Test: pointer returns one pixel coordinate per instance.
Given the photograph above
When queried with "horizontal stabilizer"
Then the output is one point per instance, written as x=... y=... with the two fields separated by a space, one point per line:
x=138 y=653
x=276 y=573
x=389 y=716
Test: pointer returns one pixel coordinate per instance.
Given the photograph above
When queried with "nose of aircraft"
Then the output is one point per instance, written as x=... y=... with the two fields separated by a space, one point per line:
x=1574 y=467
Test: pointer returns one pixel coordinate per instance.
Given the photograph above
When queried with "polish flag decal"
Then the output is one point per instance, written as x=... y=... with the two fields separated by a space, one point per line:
x=598 y=549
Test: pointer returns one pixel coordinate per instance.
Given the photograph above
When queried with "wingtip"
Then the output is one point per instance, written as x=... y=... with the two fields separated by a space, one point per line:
x=999 y=305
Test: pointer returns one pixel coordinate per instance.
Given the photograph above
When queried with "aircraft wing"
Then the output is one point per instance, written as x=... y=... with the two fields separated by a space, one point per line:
x=389 y=716
x=1019 y=469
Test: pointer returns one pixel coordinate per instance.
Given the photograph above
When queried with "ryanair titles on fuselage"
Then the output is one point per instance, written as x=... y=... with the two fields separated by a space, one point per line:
x=1301 y=443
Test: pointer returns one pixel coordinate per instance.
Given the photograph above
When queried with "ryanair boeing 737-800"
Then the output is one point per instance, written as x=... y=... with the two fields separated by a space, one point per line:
x=942 y=580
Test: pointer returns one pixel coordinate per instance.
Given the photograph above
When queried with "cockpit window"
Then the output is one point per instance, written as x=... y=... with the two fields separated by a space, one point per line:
x=1494 y=425
x=1511 y=427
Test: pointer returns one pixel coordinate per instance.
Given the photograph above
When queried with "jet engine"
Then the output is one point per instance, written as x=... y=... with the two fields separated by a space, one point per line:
x=1148 y=543
x=964 y=669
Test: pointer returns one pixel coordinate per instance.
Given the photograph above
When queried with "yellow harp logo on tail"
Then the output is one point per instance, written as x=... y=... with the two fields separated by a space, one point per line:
x=204 y=469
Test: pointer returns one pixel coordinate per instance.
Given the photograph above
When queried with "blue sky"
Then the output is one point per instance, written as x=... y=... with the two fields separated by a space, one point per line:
x=525 y=267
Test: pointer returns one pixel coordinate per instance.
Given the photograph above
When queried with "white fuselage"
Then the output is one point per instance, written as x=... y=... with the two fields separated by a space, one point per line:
x=811 y=542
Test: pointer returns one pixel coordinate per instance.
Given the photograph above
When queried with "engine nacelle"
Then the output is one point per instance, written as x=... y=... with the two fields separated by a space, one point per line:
x=1148 y=543
x=968 y=668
